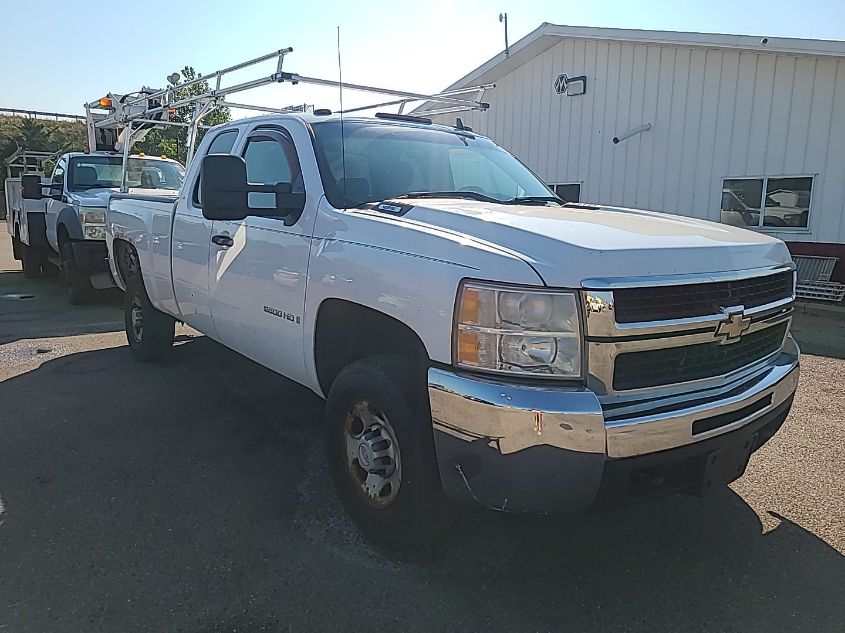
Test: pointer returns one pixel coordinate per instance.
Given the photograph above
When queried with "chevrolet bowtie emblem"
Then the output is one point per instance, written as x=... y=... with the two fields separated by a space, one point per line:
x=735 y=324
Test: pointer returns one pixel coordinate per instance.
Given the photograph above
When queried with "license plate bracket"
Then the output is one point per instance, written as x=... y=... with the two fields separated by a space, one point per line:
x=725 y=465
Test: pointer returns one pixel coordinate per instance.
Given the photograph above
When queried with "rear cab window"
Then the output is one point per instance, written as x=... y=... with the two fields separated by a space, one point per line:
x=222 y=144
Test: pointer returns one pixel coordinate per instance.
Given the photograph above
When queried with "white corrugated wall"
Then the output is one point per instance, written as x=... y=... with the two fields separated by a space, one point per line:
x=716 y=113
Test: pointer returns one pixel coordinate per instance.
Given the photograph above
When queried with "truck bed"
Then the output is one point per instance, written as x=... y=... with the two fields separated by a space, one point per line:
x=145 y=221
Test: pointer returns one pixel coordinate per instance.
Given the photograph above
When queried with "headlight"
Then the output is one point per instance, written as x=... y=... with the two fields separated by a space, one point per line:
x=95 y=232
x=518 y=331
x=91 y=215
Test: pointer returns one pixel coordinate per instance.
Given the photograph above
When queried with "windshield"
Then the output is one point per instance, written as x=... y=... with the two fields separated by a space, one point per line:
x=89 y=172
x=388 y=160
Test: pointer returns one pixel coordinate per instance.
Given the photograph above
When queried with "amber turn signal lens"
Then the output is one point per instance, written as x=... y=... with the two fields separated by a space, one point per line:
x=468 y=347
x=469 y=306
x=105 y=102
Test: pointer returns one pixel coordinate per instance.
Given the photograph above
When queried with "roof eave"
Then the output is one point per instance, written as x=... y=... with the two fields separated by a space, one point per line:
x=547 y=35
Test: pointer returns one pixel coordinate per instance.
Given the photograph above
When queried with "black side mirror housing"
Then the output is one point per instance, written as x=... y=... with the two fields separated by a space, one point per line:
x=225 y=192
x=31 y=187
x=224 y=187
x=289 y=205
x=55 y=189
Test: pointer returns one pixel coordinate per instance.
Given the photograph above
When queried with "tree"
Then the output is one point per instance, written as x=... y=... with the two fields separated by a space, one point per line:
x=173 y=141
x=38 y=135
x=67 y=136
x=34 y=137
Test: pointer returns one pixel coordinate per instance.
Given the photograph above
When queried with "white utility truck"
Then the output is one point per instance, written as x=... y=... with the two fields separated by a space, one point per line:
x=24 y=218
x=25 y=224
x=65 y=213
x=475 y=337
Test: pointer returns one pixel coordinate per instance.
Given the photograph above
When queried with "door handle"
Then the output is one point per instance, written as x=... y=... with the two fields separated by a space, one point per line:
x=223 y=240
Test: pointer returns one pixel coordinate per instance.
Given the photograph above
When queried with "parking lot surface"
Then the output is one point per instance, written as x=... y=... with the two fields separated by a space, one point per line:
x=193 y=496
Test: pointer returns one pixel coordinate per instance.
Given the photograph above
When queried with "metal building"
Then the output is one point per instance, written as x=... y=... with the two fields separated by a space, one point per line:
x=740 y=129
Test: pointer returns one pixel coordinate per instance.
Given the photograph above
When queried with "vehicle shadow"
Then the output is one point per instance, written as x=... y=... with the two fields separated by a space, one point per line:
x=193 y=495
x=38 y=308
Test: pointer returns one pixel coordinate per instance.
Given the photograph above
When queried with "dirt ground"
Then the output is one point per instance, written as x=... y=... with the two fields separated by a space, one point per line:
x=193 y=496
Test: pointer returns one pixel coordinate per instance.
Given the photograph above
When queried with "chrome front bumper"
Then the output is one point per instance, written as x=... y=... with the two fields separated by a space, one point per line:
x=531 y=448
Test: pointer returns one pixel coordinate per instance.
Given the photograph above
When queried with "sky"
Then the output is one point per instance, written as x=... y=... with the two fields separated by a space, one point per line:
x=66 y=52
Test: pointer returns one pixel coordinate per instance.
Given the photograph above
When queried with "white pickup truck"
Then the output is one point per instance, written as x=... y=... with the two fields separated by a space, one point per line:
x=472 y=334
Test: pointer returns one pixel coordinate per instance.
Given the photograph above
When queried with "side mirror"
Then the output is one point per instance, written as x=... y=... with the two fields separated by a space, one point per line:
x=31 y=187
x=225 y=192
x=224 y=187
x=55 y=190
x=288 y=204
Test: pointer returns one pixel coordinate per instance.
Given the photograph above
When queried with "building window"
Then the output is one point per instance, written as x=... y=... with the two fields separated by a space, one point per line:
x=568 y=192
x=786 y=202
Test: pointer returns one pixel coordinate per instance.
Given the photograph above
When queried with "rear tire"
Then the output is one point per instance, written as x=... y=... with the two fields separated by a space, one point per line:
x=381 y=455
x=76 y=282
x=149 y=331
x=30 y=261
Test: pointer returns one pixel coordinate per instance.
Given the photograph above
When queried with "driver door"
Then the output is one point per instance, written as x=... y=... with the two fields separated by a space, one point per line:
x=258 y=266
x=190 y=247
x=52 y=207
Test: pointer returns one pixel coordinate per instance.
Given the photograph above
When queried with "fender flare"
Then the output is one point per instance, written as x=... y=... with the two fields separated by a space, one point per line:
x=126 y=261
x=67 y=218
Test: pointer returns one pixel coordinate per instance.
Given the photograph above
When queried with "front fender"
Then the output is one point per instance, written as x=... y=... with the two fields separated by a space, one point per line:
x=68 y=219
x=409 y=273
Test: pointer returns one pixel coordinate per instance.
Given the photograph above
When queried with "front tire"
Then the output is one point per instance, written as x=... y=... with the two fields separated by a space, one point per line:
x=76 y=282
x=16 y=246
x=149 y=331
x=48 y=269
x=30 y=261
x=380 y=451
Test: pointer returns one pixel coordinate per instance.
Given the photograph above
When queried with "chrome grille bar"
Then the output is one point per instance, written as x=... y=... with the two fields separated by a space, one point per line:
x=607 y=339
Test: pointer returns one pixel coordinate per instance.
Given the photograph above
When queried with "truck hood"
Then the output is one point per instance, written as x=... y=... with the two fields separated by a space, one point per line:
x=566 y=245
x=99 y=197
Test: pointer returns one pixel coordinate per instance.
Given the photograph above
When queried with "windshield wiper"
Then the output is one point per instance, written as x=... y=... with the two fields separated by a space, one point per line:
x=94 y=186
x=470 y=195
x=534 y=200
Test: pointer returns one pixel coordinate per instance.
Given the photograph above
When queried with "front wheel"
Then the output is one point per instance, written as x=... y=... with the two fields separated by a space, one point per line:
x=76 y=282
x=30 y=261
x=380 y=451
x=149 y=331
x=16 y=247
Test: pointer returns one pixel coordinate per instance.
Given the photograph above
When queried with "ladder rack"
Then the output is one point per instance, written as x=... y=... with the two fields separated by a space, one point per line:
x=134 y=116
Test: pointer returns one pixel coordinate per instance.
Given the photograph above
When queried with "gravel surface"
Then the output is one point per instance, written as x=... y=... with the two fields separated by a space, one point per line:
x=192 y=496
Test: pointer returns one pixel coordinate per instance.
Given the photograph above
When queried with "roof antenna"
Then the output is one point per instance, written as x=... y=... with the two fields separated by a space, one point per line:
x=342 y=140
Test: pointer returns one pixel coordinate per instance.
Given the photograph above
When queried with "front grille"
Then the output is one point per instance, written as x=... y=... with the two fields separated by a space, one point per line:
x=650 y=368
x=658 y=303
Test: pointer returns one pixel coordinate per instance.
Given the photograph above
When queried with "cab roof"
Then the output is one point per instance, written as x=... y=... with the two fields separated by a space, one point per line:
x=120 y=155
x=384 y=119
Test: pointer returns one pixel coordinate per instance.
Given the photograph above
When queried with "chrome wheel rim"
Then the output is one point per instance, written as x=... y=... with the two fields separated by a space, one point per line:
x=137 y=318
x=372 y=455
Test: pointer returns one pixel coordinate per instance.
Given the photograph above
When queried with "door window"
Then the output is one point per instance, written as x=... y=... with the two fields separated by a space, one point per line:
x=271 y=159
x=59 y=174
